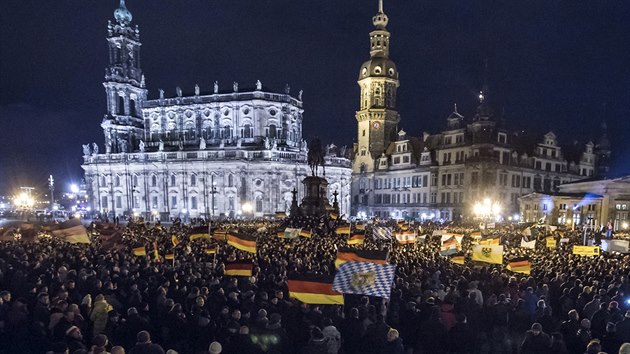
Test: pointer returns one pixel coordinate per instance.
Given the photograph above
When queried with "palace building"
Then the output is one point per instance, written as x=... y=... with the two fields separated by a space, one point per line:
x=441 y=175
x=206 y=154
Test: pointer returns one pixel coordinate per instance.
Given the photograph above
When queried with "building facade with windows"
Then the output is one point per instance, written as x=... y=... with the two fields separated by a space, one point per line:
x=441 y=175
x=220 y=153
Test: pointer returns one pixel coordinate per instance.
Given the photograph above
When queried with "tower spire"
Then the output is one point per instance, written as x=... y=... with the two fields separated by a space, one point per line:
x=380 y=20
x=380 y=6
x=122 y=15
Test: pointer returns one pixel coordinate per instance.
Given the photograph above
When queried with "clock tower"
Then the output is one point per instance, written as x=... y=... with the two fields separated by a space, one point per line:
x=377 y=117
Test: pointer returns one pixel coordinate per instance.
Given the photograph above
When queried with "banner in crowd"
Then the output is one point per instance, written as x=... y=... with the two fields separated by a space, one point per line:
x=239 y=269
x=449 y=247
x=357 y=238
x=586 y=250
x=488 y=254
x=365 y=278
x=290 y=233
x=520 y=265
x=438 y=232
x=347 y=254
x=72 y=231
x=491 y=241
x=475 y=234
x=406 y=237
x=458 y=258
x=382 y=233
x=343 y=230
x=620 y=246
x=139 y=251
x=199 y=232
x=306 y=233
x=528 y=244
x=550 y=242
x=242 y=242
x=314 y=289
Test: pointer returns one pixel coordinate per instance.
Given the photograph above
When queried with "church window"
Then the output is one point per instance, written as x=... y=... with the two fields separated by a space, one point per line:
x=118 y=202
x=363 y=133
x=134 y=180
x=247 y=131
x=259 y=205
x=104 y=202
x=173 y=201
x=363 y=152
x=230 y=180
x=193 y=180
x=132 y=107
x=154 y=181
x=231 y=202
x=272 y=131
x=193 y=203
x=154 y=202
x=121 y=105
x=117 y=181
x=173 y=180
x=227 y=132
x=377 y=70
x=103 y=181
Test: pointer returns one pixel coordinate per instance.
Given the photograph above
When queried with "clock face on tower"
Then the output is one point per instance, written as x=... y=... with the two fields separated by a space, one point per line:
x=376 y=125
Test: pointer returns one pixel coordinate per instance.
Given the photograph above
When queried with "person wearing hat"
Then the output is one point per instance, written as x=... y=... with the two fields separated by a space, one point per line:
x=394 y=343
x=145 y=346
x=98 y=315
x=536 y=341
x=74 y=339
x=317 y=342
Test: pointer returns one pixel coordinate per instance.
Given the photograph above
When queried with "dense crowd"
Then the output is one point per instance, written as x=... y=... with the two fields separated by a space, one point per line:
x=62 y=298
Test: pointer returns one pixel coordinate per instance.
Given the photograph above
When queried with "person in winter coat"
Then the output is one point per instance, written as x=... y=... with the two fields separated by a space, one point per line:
x=558 y=346
x=394 y=343
x=317 y=344
x=536 y=341
x=98 y=316
x=332 y=335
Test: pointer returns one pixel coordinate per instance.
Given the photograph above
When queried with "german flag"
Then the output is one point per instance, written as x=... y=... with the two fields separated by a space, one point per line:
x=239 y=269
x=174 y=240
x=210 y=250
x=359 y=227
x=347 y=254
x=357 y=238
x=306 y=233
x=458 y=259
x=219 y=235
x=243 y=242
x=139 y=251
x=315 y=289
x=199 y=232
x=169 y=256
x=520 y=265
x=343 y=230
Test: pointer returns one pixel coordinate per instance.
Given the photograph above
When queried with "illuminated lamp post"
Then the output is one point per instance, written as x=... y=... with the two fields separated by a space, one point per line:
x=486 y=210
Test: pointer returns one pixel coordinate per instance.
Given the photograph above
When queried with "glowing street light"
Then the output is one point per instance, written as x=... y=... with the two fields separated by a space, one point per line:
x=74 y=188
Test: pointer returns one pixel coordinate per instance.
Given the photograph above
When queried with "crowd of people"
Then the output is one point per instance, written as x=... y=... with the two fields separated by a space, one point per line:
x=57 y=297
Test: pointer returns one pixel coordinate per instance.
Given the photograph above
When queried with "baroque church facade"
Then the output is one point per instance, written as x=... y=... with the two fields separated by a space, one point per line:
x=440 y=176
x=222 y=153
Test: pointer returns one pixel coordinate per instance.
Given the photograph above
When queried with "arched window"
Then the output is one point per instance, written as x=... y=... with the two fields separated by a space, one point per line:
x=117 y=181
x=103 y=181
x=134 y=180
x=121 y=105
x=227 y=132
x=173 y=180
x=193 y=180
x=272 y=131
x=259 y=204
x=154 y=181
x=247 y=131
x=230 y=180
x=132 y=107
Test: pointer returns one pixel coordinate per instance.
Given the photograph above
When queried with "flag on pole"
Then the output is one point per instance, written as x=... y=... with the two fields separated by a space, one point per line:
x=314 y=289
x=140 y=251
x=382 y=233
x=169 y=256
x=520 y=265
x=199 y=232
x=357 y=238
x=210 y=250
x=306 y=233
x=347 y=254
x=71 y=231
x=239 y=269
x=243 y=242
x=343 y=230
x=488 y=254
x=365 y=278
x=458 y=258
x=449 y=247
x=406 y=237
x=174 y=240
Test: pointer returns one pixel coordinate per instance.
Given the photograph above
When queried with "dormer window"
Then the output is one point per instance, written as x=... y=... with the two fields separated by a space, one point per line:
x=502 y=139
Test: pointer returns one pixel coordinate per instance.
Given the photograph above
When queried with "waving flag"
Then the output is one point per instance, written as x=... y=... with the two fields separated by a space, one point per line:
x=239 y=269
x=365 y=278
x=316 y=290
x=449 y=247
x=343 y=230
x=520 y=265
x=306 y=233
x=72 y=231
x=346 y=254
x=458 y=258
x=289 y=233
x=243 y=242
x=528 y=244
x=139 y=251
x=488 y=254
x=357 y=238
x=382 y=233
x=199 y=232
x=406 y=237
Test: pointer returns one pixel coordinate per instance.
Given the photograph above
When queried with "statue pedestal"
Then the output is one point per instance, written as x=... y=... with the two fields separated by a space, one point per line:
x=315 y=201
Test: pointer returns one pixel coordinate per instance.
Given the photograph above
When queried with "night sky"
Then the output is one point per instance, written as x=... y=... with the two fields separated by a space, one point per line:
x=552 y=65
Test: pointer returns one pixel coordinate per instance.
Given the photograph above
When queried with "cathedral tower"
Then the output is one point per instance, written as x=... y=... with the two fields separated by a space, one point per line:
x=377 y=116
x=124 y=85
